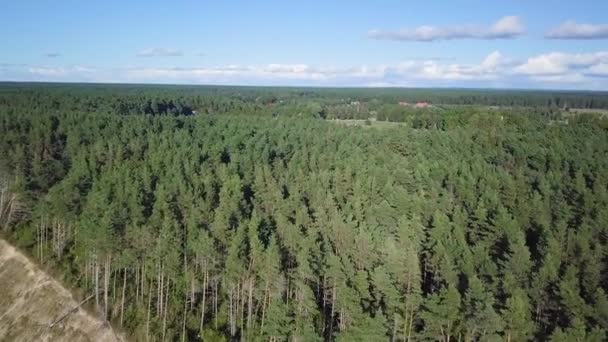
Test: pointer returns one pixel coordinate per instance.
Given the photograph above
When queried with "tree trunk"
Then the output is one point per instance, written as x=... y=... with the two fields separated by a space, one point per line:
x=159 y=304
x=114 y=286
x=215 y=303
x=394 y=327
x=148 y=316
x=137 y=284
x=411 y=325
x=405 y=323
x=96 y=283
x=192 y=297
x=165 y=307
x=86 y=275
x=264 y=306
x=122 y=302
x=38 y=237
x=203 y=302
x=250 y=302
x=106 y=285
x=242 y=302
x=333 y=303
x=161 y=288
x=143 y=280
x=230 y=314
x=184 y=317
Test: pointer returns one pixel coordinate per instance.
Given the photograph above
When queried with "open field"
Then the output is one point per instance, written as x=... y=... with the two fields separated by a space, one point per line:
x=603 y=112
x=372 y=124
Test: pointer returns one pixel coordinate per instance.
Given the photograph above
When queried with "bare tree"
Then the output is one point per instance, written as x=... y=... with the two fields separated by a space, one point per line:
x=61 y=234
x=12 y=208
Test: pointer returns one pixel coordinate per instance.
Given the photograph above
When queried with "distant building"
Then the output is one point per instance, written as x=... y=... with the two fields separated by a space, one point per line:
x=355 y=103
x=422 y=105
x=404 y=104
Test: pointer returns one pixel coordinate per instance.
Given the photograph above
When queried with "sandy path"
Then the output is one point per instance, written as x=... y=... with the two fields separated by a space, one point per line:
x=30 y=300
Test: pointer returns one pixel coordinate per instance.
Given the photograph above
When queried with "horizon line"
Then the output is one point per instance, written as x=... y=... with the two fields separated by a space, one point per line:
x=359 y=87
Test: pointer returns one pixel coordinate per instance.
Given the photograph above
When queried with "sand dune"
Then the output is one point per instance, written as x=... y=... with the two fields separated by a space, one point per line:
x=31 y=300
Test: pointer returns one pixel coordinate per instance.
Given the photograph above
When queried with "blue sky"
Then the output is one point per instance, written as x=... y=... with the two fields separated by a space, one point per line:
x=506 y=44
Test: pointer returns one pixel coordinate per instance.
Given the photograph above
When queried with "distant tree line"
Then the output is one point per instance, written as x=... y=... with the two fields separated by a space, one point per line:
x=347 y=103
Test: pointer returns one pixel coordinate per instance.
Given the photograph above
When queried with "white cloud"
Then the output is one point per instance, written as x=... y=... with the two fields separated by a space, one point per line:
x=235 y=73
x=74 y=70
x=159 y=52
x=572 y=78
x=491 y=67
x=548 y=64
x=573 y=30
x=69 y=73
x=47 y=71
x=552 y=70
x=493 y=61
x=505 y=28
x=558 y=63
x=600 y=70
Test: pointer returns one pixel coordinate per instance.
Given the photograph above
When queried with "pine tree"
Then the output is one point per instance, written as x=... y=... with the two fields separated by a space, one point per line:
x=441 y=314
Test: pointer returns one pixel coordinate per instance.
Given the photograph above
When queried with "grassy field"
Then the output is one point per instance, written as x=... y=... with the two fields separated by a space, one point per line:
x=603 y=112
x=370 y=124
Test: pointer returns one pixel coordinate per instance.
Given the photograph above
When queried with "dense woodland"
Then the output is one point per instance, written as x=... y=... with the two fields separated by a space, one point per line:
x=156 y=99
x=216 y=214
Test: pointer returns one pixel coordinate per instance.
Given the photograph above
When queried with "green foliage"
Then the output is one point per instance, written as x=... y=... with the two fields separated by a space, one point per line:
x=254 y=219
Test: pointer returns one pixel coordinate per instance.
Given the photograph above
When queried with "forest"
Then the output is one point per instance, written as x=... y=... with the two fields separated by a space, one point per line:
x=250 y=214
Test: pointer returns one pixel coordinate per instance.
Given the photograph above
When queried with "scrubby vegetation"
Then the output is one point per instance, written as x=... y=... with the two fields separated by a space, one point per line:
x=203 y=213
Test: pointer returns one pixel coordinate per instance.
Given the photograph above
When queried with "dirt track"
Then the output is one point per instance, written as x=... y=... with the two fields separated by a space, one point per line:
x=30 y=300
